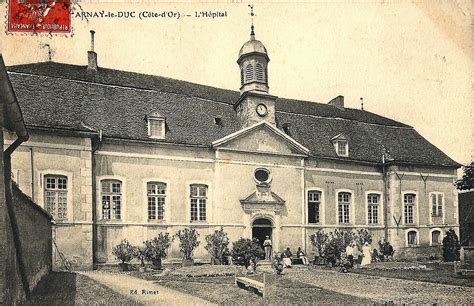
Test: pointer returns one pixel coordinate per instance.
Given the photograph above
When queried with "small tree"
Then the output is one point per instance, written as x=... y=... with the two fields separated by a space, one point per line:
x=361 y=237
x=467 y=180
x=156 y=249
x=216 y=245
x=320 y=241
x=244 y=250
x=124 y=252
x=451 y=246
x=188 y=241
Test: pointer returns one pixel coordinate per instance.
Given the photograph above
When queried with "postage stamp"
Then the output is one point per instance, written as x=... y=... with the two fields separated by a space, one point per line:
x=39 y=16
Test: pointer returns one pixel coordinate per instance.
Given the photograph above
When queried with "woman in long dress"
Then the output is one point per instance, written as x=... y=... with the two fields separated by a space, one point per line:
x=367 y=255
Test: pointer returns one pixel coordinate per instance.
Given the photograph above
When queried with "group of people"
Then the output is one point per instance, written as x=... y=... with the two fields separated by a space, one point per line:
x=286 y=257
x=368 y=256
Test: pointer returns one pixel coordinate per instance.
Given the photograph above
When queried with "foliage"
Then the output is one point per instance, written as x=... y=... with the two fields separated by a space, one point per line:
x=451 y=246
x=216 y=245
x=467 y=180
x=244 y=250
x=188 y=241
x=319 y=241
x=331 y=245
x=156 y=248
x=361 y=237
x=124 y=251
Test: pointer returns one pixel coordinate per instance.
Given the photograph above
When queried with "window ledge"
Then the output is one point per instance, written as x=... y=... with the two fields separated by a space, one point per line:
x=156 y=221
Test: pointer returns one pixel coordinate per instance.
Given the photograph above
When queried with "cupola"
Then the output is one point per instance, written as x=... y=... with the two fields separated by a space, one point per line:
x=253 y=63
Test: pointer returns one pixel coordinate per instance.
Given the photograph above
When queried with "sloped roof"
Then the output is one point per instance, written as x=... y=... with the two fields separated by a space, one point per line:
x=69 y=97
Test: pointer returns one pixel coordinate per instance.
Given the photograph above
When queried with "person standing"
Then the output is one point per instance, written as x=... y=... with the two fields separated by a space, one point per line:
x=267 y=245
x=367 y=255
x=350 y=254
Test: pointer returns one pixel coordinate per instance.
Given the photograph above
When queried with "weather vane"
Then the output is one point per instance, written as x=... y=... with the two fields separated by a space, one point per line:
x=252 y=14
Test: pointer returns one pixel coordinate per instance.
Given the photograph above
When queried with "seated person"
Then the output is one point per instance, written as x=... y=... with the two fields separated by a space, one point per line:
x=286 y=258
x=302 y=255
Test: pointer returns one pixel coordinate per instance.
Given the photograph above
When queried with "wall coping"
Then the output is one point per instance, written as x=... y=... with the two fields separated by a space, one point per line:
x=17 y=192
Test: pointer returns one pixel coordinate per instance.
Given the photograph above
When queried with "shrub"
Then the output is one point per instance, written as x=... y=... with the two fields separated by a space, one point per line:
x=156 y=249
x=320 y=241
x=217 y=244
x=124 y=251
x=188 y=241
x=451 y=246
x=331 y=245
x=244 y=250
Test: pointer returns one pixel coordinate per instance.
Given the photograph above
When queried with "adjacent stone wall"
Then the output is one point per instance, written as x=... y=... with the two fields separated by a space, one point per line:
x=34 y=231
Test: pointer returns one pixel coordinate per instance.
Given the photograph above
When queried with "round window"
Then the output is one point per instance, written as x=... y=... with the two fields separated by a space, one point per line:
x=262 y=175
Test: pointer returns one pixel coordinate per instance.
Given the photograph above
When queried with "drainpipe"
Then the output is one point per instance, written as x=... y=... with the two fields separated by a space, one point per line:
x=385 y=198
x=32 y=175
x=11 y=213
x=95 y=148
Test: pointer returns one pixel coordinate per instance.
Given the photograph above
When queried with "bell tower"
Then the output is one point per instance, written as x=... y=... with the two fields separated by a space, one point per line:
x=255 y=103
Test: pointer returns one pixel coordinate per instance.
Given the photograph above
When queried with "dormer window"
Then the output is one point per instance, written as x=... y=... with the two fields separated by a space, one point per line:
x=156 y=126
x=341 y=145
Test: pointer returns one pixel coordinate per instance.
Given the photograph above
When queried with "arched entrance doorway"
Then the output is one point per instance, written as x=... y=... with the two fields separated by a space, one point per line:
x=261 y=228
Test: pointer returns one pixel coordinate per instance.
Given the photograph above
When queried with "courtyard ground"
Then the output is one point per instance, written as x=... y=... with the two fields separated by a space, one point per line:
x=435 y=272
x=63 y=288
x=208 y=284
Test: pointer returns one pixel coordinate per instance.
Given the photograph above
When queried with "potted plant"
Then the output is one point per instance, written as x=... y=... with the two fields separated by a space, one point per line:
x=124 y=252
x=188 y=241
x=156 y=249
x=216 y=245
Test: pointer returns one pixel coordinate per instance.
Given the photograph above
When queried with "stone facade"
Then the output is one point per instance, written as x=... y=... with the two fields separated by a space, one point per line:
x=292 y=177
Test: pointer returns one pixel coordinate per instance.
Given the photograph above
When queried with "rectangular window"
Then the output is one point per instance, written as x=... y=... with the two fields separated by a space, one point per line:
x=412 y=239
x=342 y=148
x=409 y=208
x=344 y=199
x=198 y=199
x=156 y=127
x=435 y=237
x=373 y=201
x=314 y=201
x=156 y=193
x=55 y=196
x=436 y=204
x=111 y=193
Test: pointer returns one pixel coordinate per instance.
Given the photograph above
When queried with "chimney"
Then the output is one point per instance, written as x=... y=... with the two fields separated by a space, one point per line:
x=91 y=55
x=362 y=103
x=337 y=102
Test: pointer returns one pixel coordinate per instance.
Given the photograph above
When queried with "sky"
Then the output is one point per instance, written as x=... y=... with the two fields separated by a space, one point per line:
x=410 y=61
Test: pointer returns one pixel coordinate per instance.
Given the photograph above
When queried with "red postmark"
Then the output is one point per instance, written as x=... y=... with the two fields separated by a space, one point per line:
x=46 y=16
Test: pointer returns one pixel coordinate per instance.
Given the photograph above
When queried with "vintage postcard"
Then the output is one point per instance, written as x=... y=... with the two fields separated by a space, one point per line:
x=231 y=152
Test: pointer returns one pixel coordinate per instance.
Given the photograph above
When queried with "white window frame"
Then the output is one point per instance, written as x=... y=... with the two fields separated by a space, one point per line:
x=161 y=120
x=157 y=197
x=189 y=197
x=417 y=238
x=70 y=191
x=123 y=199
x=351 y=207
x=380 y=208
x=321 y=205
x=168 y=207
x=416 y=217
x=440 y=236
x=431 y=205
x=346 y=147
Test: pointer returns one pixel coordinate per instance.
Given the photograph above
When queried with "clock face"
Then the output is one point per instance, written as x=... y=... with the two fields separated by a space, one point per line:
x=262 y=110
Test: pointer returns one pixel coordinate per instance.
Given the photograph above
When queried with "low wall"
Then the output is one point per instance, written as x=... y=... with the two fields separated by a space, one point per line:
x=35 y=235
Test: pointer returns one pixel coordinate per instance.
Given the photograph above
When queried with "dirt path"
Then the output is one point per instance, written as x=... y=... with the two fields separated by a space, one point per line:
x=143 y=291
x=383 y=289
